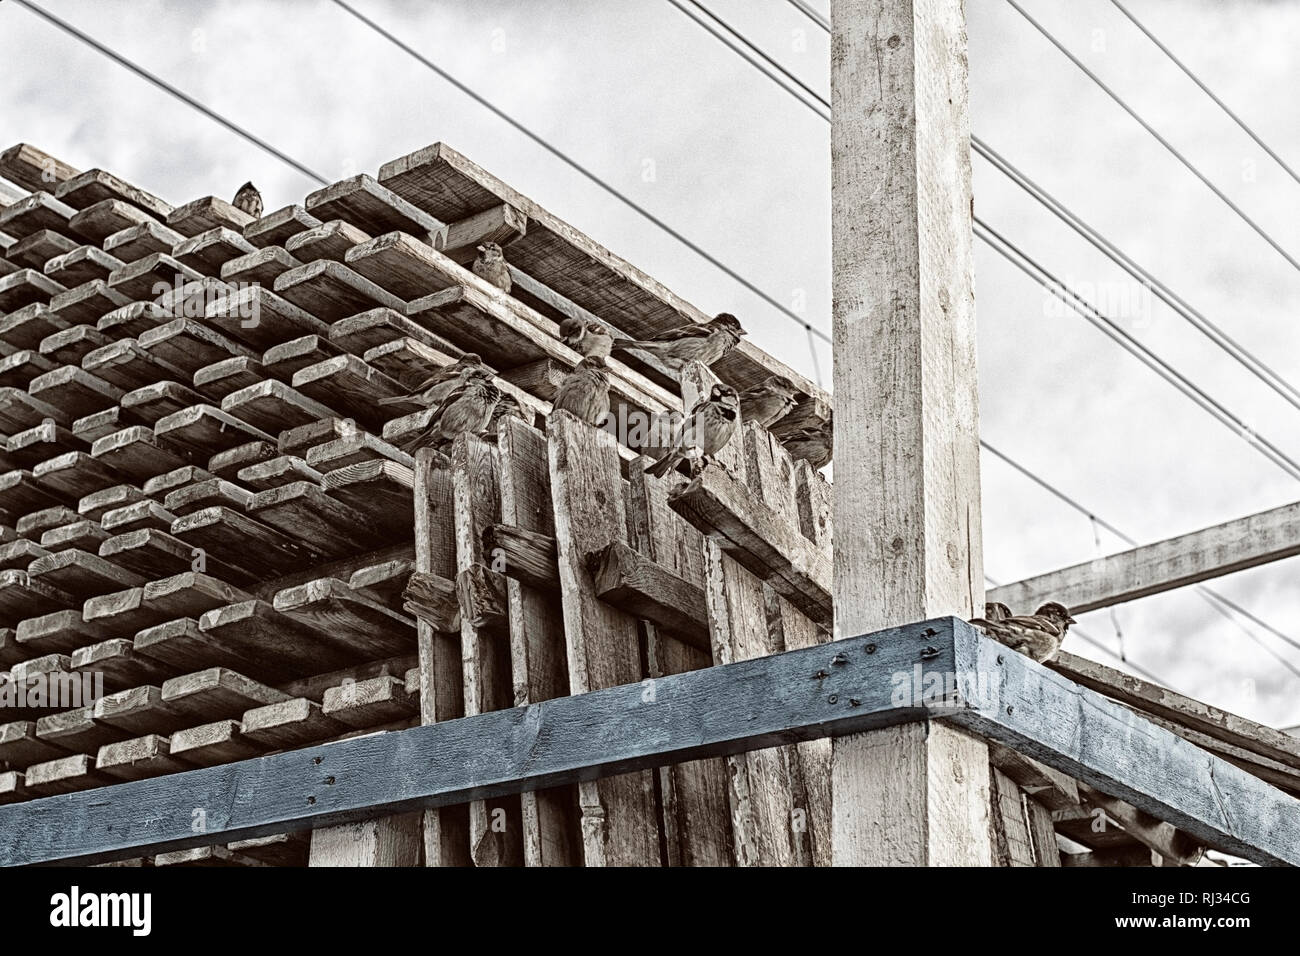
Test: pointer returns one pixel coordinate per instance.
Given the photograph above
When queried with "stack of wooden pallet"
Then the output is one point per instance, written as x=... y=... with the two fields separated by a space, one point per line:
x=203 y=505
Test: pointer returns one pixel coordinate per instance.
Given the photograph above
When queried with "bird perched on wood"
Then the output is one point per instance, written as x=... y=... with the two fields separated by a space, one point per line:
x=1038 y=635
x=507 y=407
x=704 y=432
x=430 y=392
x=585 y=391
x=467 y=408
x=996 y=611
x=249 y=200
x=697 y=342
x=768 y=401
x=813 y=443
x=491 y=265
x=586 y=338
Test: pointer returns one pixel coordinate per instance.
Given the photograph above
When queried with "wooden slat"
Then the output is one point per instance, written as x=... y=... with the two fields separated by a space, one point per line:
x=619 y=818
x=451 y=187
x=445 y=830
x=1225 y=548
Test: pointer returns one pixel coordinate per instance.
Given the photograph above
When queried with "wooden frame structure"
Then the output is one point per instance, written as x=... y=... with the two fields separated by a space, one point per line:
x=203 y=501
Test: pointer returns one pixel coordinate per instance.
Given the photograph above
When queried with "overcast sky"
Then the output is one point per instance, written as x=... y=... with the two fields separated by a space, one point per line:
x=644 y=97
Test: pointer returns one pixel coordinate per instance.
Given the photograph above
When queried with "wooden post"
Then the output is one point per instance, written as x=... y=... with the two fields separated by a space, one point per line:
x=907 y=491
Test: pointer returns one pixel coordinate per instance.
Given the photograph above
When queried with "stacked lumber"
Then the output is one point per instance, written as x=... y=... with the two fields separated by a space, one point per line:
x=204 y=509
x=208 y=526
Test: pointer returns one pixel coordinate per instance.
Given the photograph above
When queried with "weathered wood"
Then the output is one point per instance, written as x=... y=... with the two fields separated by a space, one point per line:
x=365 y=202
x=641 y=587
x=451 y=187
x=275 y=228
x=95 y=185
x=907 y=491
x=445 y=830
x=1154 y=699
x=1163 y=566
x=330 y=240
x=619 y=819
x=528 y=556
x=500 y=224
x=712 y=711
x=693 y=796
x=1048 y=717
x=756 y=537
x=1012 y=844
x=495 y=827
x=34 y=169
x=368 y=629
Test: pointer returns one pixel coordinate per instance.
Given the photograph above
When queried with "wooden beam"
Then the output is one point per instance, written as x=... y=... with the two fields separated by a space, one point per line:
x=907 y=489
x=1163 y=566
x=1107 y=746
x=637 y=584
x=712 y=711
x=833 y=690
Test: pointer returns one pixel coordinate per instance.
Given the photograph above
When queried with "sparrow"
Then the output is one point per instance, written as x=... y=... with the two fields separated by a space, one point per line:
x=467 y=408
x=813 y=443
x=1038 y=635
x=491 y=265
x=768 y=401
x=586 y=338
x=249 y=200
x=507 y=407
x=703 y=433
x=585 y=391
x=996 y=611
x=697 y=342
x=430 y=392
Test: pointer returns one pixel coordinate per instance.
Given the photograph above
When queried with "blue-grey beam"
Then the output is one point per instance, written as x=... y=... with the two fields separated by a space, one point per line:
x=939 y=669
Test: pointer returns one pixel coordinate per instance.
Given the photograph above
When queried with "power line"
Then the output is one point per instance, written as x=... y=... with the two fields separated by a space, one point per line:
x=1158 y=138
x=578 y=167
x=166 y=87
x=754 y=63
x=1274 y=380
x=1150 y=359
x=1207 y=91
x=1238 y=352
x=825 y=25
x=811 y=14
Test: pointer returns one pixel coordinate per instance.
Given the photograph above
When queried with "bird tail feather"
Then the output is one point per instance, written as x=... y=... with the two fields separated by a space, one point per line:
x=662 y=466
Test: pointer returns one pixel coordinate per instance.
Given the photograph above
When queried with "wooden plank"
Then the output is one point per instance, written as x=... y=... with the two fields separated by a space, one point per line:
x=907 y=515
x=143 y=239
x=1048 y=717
x=331 y=291
x=363 y=201
x=34 y=169
x=452 y=187
x=693 y=796
x=330 y=240
x=495 y=826
x=697 y=714
x=551 y=825
x=619 y=818
x=368 y=629
x=1152 y=698
x=445 y=830
x=95 y=185
x=276 y=228
x=758 y=539
x=641 y=587
x=1226 y=548
x=500 y=224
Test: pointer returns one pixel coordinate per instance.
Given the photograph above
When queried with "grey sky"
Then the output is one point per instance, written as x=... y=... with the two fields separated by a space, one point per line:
x=640 y=94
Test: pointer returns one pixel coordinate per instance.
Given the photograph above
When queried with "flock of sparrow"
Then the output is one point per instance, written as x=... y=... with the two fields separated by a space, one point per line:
x=465 y=399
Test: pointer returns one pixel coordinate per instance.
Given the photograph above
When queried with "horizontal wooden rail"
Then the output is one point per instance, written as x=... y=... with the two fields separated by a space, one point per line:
x=938 y=669
x=1163 y=566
